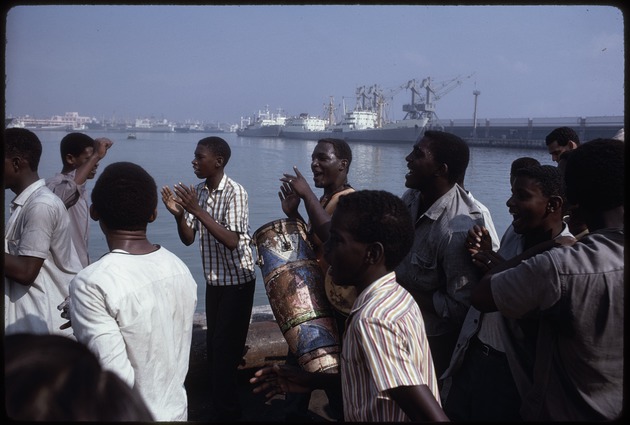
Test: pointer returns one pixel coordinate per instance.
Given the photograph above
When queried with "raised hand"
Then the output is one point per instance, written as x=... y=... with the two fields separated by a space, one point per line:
x=169 y=201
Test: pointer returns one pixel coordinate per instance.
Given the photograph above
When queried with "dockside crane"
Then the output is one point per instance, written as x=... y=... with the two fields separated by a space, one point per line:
x=425 y=106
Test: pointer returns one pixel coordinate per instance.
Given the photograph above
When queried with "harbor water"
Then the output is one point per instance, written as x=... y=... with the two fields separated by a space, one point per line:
x=258 y=164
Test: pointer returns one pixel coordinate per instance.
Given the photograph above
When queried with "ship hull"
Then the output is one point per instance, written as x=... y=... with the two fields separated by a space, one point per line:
x=265 y=131
x=395 y=134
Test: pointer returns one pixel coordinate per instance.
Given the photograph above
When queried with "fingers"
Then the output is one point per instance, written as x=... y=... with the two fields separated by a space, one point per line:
x=297 y=172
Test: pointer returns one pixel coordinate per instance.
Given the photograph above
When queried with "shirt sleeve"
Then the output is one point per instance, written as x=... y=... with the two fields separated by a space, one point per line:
x=39 y=226
x=66 y=189
x=534 y=285
x=387 y=355
x=237 y=213
x=94 y=324
x=453 y=301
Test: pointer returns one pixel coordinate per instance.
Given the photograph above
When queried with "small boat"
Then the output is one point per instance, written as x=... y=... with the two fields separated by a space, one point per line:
x=131 y=136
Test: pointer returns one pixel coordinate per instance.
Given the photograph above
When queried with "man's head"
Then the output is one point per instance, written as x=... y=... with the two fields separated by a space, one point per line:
x=437 y=155
x=23 y=143
x=595 y=178
x=124 y=197
x=22 y=151
x=330 y=162
x=363 y=220
x=560 y=140
x=537 y=198
x=75 y=149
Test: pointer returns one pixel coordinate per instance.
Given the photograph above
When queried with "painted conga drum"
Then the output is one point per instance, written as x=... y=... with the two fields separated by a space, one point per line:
x=295 y=287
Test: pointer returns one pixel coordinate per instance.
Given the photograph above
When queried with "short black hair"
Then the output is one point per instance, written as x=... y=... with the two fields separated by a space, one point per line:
x=341 y=147
x=218 y=146
x=125 y=196
x=449 y=149
x=562 y=135
x=379 y=216
x=523 y=162
x=74 y=144
x=24 y=143
x=595 y=175
x=549 y=179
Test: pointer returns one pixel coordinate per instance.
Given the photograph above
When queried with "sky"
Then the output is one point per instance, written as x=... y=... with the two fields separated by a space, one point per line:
x=221 y=63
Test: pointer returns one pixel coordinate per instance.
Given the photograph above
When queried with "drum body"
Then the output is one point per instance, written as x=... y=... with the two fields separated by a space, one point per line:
x=295 y=287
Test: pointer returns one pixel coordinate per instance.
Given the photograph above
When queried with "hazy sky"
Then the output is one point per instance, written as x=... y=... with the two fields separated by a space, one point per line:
x=218 y=63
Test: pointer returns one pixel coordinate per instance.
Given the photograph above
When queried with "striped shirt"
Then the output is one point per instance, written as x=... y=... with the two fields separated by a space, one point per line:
x=384 y=347
x=228 y=205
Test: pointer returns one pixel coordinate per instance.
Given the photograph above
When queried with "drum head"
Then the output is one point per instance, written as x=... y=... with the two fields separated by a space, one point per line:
x=341 y=297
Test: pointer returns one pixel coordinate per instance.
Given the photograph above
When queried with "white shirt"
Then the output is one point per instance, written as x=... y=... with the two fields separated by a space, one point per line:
x=39 y=226
x=135 y=312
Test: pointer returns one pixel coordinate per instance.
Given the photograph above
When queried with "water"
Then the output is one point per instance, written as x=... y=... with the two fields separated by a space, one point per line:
x=258 y=164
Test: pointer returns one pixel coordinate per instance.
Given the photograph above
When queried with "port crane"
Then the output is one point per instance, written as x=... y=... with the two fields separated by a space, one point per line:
x=425 y=104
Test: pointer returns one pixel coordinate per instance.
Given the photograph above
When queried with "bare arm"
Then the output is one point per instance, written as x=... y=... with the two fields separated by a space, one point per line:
x=22 y=269
x=320 y=219
x=280 y=379
x=101 y=145
x=418 y=403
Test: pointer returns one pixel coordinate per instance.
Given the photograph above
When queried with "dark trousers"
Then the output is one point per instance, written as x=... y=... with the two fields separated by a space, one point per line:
x=483 y=388
x=228 y=312
x=442 y=347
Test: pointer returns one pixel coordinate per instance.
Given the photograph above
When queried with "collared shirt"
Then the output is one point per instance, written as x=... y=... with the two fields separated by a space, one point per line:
x=228 y=205
x=39 y=227
x=438 y=265
x=75 y=198
x=384 y=347
x=135 y=312
x=579 y=294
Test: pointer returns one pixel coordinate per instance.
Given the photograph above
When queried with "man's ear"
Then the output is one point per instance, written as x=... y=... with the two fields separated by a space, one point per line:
x=442 y=170
x=93 y=213
x=375 y=253
x=344 y=164
x=554 y=204
x=153 y=216
x=69 y=159
x=219 y=162
x=572 y=144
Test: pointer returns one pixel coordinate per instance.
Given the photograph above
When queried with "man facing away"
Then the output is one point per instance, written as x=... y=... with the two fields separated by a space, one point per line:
x=39 y=257
x=80 y=155
x=134 y=307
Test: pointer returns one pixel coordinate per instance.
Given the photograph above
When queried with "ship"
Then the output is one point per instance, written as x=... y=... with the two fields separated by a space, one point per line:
x=303 y=127
x=151 y=125
x=367 y=121
x=265 y=124
x=70 y=121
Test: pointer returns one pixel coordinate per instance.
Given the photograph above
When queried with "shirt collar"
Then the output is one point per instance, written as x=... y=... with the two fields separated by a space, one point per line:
x=221 y=185
x=21 y=199
x=371 y=290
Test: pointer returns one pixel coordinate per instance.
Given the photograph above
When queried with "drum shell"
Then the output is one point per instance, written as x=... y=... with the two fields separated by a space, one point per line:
x=295 y=288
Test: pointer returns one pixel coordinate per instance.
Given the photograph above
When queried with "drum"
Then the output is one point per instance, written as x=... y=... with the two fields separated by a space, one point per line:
x=295 y=287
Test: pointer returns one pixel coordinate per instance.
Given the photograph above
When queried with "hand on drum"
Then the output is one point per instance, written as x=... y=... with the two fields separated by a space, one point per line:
x=281 y=379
